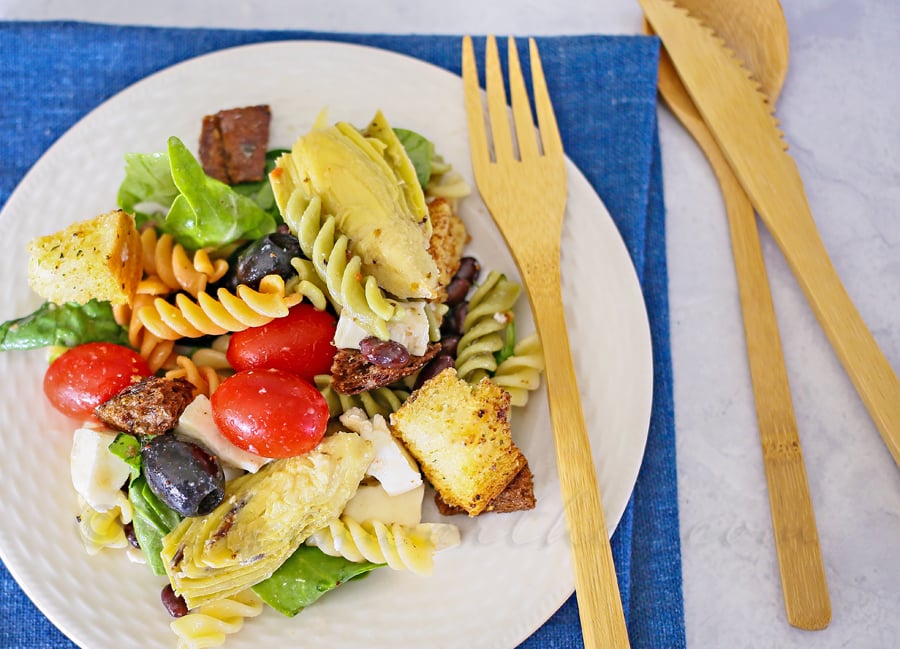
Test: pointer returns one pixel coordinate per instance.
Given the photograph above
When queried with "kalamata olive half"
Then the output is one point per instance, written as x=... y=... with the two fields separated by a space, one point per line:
x=435 y=366
x=384 y=353
x=184 y=476
x=469 y=269
x=270 y=255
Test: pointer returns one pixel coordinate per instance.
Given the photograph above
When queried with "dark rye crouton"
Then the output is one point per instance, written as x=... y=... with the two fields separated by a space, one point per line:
x=518 y=496
x=352 y=373
x=233 y=144
x=151 y=406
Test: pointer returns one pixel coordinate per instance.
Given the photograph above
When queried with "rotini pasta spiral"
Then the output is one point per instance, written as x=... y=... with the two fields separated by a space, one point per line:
x=168 y=267
x=103 y=529
x=211 y=316
x=446 y=183
x=401 y=547
x=380 y=401
x=521 y=373
x=157 y=352
x=490 y=310
x=348 y=289
x=204 y=378
x=209 y=625
x=309 y=284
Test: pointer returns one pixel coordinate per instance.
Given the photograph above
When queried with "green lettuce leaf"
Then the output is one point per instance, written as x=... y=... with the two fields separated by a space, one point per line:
x=128 y=448
x=148 y=181
x=307 y=574
x=208 y=212
x=66 y=325
x=152 y=521
x=420 y=151
x=509 y=343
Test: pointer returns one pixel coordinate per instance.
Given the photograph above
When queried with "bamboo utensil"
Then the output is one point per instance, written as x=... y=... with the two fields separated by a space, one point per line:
x=522 y=179
x=741 y=120
x=760 y=31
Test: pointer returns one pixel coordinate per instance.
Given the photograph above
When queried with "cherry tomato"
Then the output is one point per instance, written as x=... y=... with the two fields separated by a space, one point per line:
x=300 y=342
x=87 y=375
x=271 y=412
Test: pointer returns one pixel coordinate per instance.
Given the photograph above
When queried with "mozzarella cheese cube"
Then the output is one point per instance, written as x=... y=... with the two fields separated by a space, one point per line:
x=408 y=326
x=196 y=423
x=373 y=503
x=97 y=474
x=393 y=466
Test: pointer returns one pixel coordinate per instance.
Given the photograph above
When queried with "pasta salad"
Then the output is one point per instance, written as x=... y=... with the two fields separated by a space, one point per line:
x=270 y=357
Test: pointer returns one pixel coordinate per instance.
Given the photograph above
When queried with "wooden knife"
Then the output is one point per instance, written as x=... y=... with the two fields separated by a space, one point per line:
x=742 y=121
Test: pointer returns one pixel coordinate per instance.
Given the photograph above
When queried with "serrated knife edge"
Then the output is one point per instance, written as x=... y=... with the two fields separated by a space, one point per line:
x=756 y=150
x=742 y=123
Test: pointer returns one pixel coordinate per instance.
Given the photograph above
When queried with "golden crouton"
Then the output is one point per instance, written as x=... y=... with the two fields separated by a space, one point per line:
x=95 y=259
x=448 y=236
x=459 y=434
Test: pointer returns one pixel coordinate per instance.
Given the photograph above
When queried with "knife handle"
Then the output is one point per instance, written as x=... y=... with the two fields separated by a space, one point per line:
x=865 y=363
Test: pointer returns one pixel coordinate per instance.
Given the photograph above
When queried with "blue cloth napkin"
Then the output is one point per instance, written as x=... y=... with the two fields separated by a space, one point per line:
x=604 y=92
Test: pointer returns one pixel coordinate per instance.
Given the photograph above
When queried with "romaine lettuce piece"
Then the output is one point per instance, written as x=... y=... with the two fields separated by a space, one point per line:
x=128 y=447
x=148 y=185
x=152 y=521
x=420 y=151
x=305 y=576
x=208 y=212
x=66 y=325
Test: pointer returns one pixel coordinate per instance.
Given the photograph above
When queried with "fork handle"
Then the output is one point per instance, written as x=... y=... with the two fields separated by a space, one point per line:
x=599 y=601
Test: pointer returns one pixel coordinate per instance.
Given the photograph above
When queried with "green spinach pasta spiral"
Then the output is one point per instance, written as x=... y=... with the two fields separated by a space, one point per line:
x=327 y=248
x=490 y=311
x=380 y=401
x=520 y=374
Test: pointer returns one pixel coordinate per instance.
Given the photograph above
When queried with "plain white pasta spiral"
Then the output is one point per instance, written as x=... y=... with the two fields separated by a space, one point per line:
x=341 y=272
x=101 y=530
x=401 y=547
x=520 y=374
x=210 y=624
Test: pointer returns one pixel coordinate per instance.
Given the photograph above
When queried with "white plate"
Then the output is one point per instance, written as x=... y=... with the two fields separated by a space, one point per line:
x=512 y=571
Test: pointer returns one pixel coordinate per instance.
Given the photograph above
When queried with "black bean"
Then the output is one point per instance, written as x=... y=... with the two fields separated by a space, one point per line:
x=384 y=353
x=453 y=321
x=131 y=536
x=457 y=290
x=469 y=269
x=437 y=365
x=174 y=604
x=449 y=345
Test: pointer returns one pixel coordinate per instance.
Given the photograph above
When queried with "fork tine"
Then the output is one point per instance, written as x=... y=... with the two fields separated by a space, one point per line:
x=496 y=101
x=474 y=108
x=521 y=106
x=552 y=144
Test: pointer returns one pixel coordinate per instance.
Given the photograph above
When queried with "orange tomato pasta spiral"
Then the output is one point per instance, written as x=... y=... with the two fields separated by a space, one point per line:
x=159 y=353
x=204 y=378
x=211 y=316
x=168 y=266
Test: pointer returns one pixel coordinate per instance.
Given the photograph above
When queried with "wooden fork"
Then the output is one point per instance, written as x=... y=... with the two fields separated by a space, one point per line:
x=524 y=187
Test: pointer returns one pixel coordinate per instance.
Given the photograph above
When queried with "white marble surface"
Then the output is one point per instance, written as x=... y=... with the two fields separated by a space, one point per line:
x=838 y=109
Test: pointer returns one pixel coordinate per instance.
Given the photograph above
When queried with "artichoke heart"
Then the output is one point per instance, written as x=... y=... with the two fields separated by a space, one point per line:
x=263 y=519
x=368 y=184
